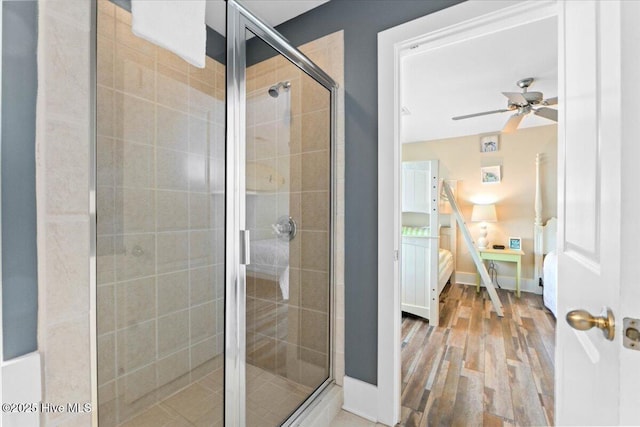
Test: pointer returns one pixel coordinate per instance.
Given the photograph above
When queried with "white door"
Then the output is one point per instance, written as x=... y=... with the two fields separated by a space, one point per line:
x=596 y=379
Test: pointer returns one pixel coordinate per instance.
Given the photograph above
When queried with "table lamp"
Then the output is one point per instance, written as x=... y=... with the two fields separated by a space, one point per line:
x=483 y=214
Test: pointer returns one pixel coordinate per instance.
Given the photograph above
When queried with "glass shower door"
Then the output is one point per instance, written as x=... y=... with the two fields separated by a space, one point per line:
x=160 y=175
x=279 y=112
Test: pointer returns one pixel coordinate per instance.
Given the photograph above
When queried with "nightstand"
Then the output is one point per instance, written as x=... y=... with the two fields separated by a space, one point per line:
x=507 y=255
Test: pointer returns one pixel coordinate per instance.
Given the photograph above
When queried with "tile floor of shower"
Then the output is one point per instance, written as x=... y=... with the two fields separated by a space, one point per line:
x=270 y=400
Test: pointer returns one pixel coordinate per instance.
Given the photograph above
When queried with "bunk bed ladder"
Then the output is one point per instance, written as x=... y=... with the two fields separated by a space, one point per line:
x=495 y=299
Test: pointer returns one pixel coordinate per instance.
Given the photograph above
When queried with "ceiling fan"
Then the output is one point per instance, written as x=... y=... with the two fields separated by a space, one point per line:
x=522 y=104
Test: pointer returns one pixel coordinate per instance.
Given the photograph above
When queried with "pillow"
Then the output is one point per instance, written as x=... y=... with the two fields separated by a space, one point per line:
x=415 y=231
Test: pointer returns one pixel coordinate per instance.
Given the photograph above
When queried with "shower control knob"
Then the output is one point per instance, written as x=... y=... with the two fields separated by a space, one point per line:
x=286 y=228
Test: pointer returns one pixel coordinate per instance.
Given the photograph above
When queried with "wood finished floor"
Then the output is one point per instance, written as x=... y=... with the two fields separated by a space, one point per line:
x=476 y=368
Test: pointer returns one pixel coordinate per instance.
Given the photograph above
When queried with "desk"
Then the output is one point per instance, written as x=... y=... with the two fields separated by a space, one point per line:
x=508 y=255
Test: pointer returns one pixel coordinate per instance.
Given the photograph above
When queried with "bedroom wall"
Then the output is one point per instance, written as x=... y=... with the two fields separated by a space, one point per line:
x=461 y=160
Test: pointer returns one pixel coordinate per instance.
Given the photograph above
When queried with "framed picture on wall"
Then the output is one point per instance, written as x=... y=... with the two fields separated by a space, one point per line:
x=489 y=143
x=515 y=243
x=490 y=174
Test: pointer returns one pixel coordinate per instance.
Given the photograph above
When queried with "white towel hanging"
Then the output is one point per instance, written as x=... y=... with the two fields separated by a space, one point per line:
x=176 y=25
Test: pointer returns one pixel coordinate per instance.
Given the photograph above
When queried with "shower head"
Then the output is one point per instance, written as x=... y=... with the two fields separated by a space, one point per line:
x=274 y=90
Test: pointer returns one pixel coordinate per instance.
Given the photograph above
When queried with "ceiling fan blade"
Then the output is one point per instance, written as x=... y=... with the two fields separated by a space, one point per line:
x=513 y=123
x=516 y=98
x=468 y=116
x=547 y=113
x=550 y=101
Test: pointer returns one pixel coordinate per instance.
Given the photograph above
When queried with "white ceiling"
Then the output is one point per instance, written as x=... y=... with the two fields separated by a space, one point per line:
x=273 y=12
x=469 y=76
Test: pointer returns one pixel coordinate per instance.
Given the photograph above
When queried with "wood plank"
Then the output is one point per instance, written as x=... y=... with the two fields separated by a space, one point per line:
x=490 y=420
x=458 y=334
x=546 y=360
x=434 y=396
x=468 y=410
x=507 y=302
x=416 y=344
x=497 y=390
x=515 y=311
x=413 y=420
x=447 y=313
x=474 y=357
x=527 y=407
x=418 y=382
x=468 y=296
x=455 y=292
x=548 y=406
x=408 y=323
x=511 y=348
x=442 y=415
x=545 y=325
x=404 y=415
x=464 y=311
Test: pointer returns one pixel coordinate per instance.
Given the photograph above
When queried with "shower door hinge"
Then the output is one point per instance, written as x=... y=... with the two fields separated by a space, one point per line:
x=396 y=255
x=245 y=243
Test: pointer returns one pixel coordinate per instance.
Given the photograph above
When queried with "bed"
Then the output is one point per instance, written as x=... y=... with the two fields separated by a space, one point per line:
x=427 y=257
x=545 y=251
x=270 y=260
x=417 y=289
x=549 y=277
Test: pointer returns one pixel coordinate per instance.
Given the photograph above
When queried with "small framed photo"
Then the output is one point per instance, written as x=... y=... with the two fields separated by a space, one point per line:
x=490 y=174
x=515 y=243
x=489 y=143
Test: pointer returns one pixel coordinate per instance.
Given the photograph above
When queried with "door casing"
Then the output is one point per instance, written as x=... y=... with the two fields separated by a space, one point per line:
x=467 y=20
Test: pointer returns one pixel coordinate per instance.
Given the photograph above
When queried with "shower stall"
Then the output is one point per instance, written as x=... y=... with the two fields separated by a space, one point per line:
x=214 y=229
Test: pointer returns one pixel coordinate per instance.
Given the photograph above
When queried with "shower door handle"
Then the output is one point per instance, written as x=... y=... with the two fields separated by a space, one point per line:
x=245 y=247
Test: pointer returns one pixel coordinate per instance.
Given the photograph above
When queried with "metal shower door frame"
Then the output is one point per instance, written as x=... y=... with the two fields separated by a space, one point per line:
x=239 y=20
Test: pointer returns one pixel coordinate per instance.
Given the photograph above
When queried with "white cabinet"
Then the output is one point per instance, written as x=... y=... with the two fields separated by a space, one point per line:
x=415 y=186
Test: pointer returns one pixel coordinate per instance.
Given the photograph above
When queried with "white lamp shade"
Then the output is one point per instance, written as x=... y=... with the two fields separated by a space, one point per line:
x=484 y=213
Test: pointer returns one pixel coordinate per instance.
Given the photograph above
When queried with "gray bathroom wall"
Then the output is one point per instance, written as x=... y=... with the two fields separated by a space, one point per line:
x=19 y=257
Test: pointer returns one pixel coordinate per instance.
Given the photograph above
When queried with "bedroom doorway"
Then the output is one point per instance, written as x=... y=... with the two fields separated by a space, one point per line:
x=596 y=91
x=461 y=363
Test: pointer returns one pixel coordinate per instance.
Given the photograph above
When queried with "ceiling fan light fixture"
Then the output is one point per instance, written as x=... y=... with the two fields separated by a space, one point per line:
x=521 y=104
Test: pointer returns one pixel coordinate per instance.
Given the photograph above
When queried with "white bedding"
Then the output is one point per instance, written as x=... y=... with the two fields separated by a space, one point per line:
x=270 y=260
x=445 y=259
x=550 y=281
x=445 y=267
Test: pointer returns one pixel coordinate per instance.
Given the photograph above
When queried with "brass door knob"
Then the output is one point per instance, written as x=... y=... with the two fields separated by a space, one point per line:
x=582 y=320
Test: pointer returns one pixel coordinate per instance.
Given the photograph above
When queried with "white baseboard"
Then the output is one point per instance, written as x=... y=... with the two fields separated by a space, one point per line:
x=360 y=398
x=21 y=383
x=506 y=282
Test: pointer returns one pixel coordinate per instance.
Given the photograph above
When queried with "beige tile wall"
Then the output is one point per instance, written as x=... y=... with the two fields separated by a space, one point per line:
x=62 y=179
x=328 y=53
x=290 y=135
x=160 y=211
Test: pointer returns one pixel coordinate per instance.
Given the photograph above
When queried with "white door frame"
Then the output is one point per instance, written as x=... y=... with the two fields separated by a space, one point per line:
x=1 y=325
x=458 y=23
